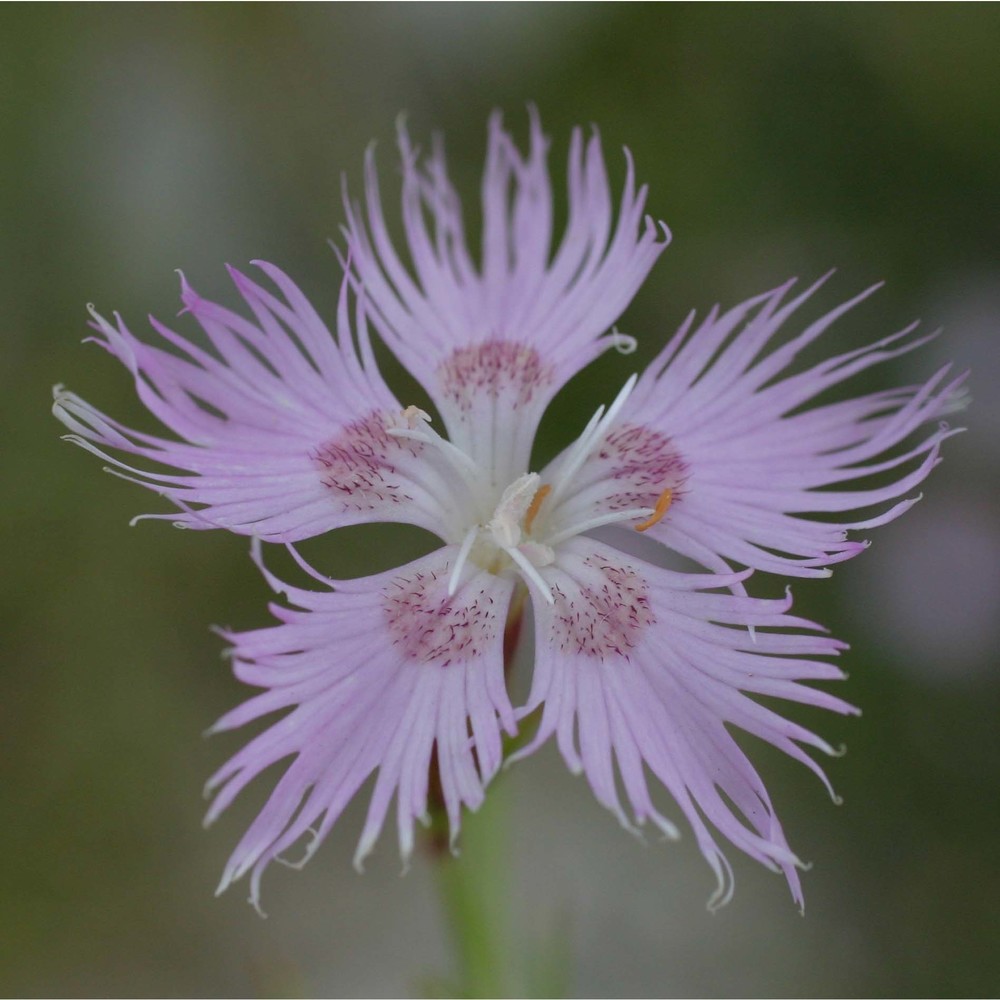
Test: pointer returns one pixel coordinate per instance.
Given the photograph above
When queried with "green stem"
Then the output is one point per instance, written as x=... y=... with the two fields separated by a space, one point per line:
x=475 y=884
x=474 y=891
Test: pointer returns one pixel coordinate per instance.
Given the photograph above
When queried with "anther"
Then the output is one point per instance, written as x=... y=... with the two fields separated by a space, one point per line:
x=662 y=506
x=413 y=415
x=536 y=502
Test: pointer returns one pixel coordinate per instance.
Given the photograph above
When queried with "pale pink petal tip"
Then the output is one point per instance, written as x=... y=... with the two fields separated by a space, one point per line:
x=761 y=475
x=279 y=426
x=557 y=295
x=372 y=679
x=642 y=672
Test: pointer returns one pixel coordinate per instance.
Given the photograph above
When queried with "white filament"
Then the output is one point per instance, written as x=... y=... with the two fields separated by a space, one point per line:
x=613 y=517
x=595 y=430
x=462 y=558
x=529 y=571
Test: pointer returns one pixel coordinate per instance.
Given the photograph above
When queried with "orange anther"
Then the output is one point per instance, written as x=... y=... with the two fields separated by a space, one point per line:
x=662 y=506
x=536 y=501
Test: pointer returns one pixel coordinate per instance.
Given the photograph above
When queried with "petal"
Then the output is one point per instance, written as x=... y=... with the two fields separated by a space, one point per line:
x=502 y=335
x=282 y=426
x=648 y=668
x=373 y=677
x=718 y=421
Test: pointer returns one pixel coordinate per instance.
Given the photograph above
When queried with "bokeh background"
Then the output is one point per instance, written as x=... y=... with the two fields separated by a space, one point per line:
x=777 y=140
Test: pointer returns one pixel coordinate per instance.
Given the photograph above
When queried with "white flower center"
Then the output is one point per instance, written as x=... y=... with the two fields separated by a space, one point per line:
x=514 y=537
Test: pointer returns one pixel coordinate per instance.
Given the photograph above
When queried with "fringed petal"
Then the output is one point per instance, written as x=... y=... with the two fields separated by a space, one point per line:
x=755 y=477
x=283 y=430
x=640 y=669
x=373 y=679
x=501 y=336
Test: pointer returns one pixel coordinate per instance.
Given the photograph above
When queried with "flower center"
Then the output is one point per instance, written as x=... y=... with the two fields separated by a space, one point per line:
x=531 y=518
x=506 y=539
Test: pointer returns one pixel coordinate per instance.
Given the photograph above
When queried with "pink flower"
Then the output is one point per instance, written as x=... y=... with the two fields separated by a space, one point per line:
x=284 y=430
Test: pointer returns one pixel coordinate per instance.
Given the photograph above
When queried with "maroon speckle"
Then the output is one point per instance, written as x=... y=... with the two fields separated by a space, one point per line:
x=357 y=466
x=643 y=463
x=604 y=619
x=495 y=367
x=432 y=627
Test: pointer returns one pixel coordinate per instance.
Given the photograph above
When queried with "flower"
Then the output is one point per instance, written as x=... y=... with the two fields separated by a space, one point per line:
x=283 y=430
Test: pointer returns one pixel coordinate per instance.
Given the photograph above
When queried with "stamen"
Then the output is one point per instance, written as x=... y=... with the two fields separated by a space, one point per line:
x=462 y=558
x=595 y=430
x=412 y=417
x=662 y=506
x=613 y=517
x=536 y=502
x=413 y=414
x=619 y=402
x=524 y=564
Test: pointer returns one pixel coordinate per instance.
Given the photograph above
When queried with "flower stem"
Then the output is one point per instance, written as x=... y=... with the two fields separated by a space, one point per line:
x=474 y=893
x=475 y=885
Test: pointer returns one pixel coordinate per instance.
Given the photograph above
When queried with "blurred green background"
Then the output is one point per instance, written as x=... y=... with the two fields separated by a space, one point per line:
x=776 y=140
